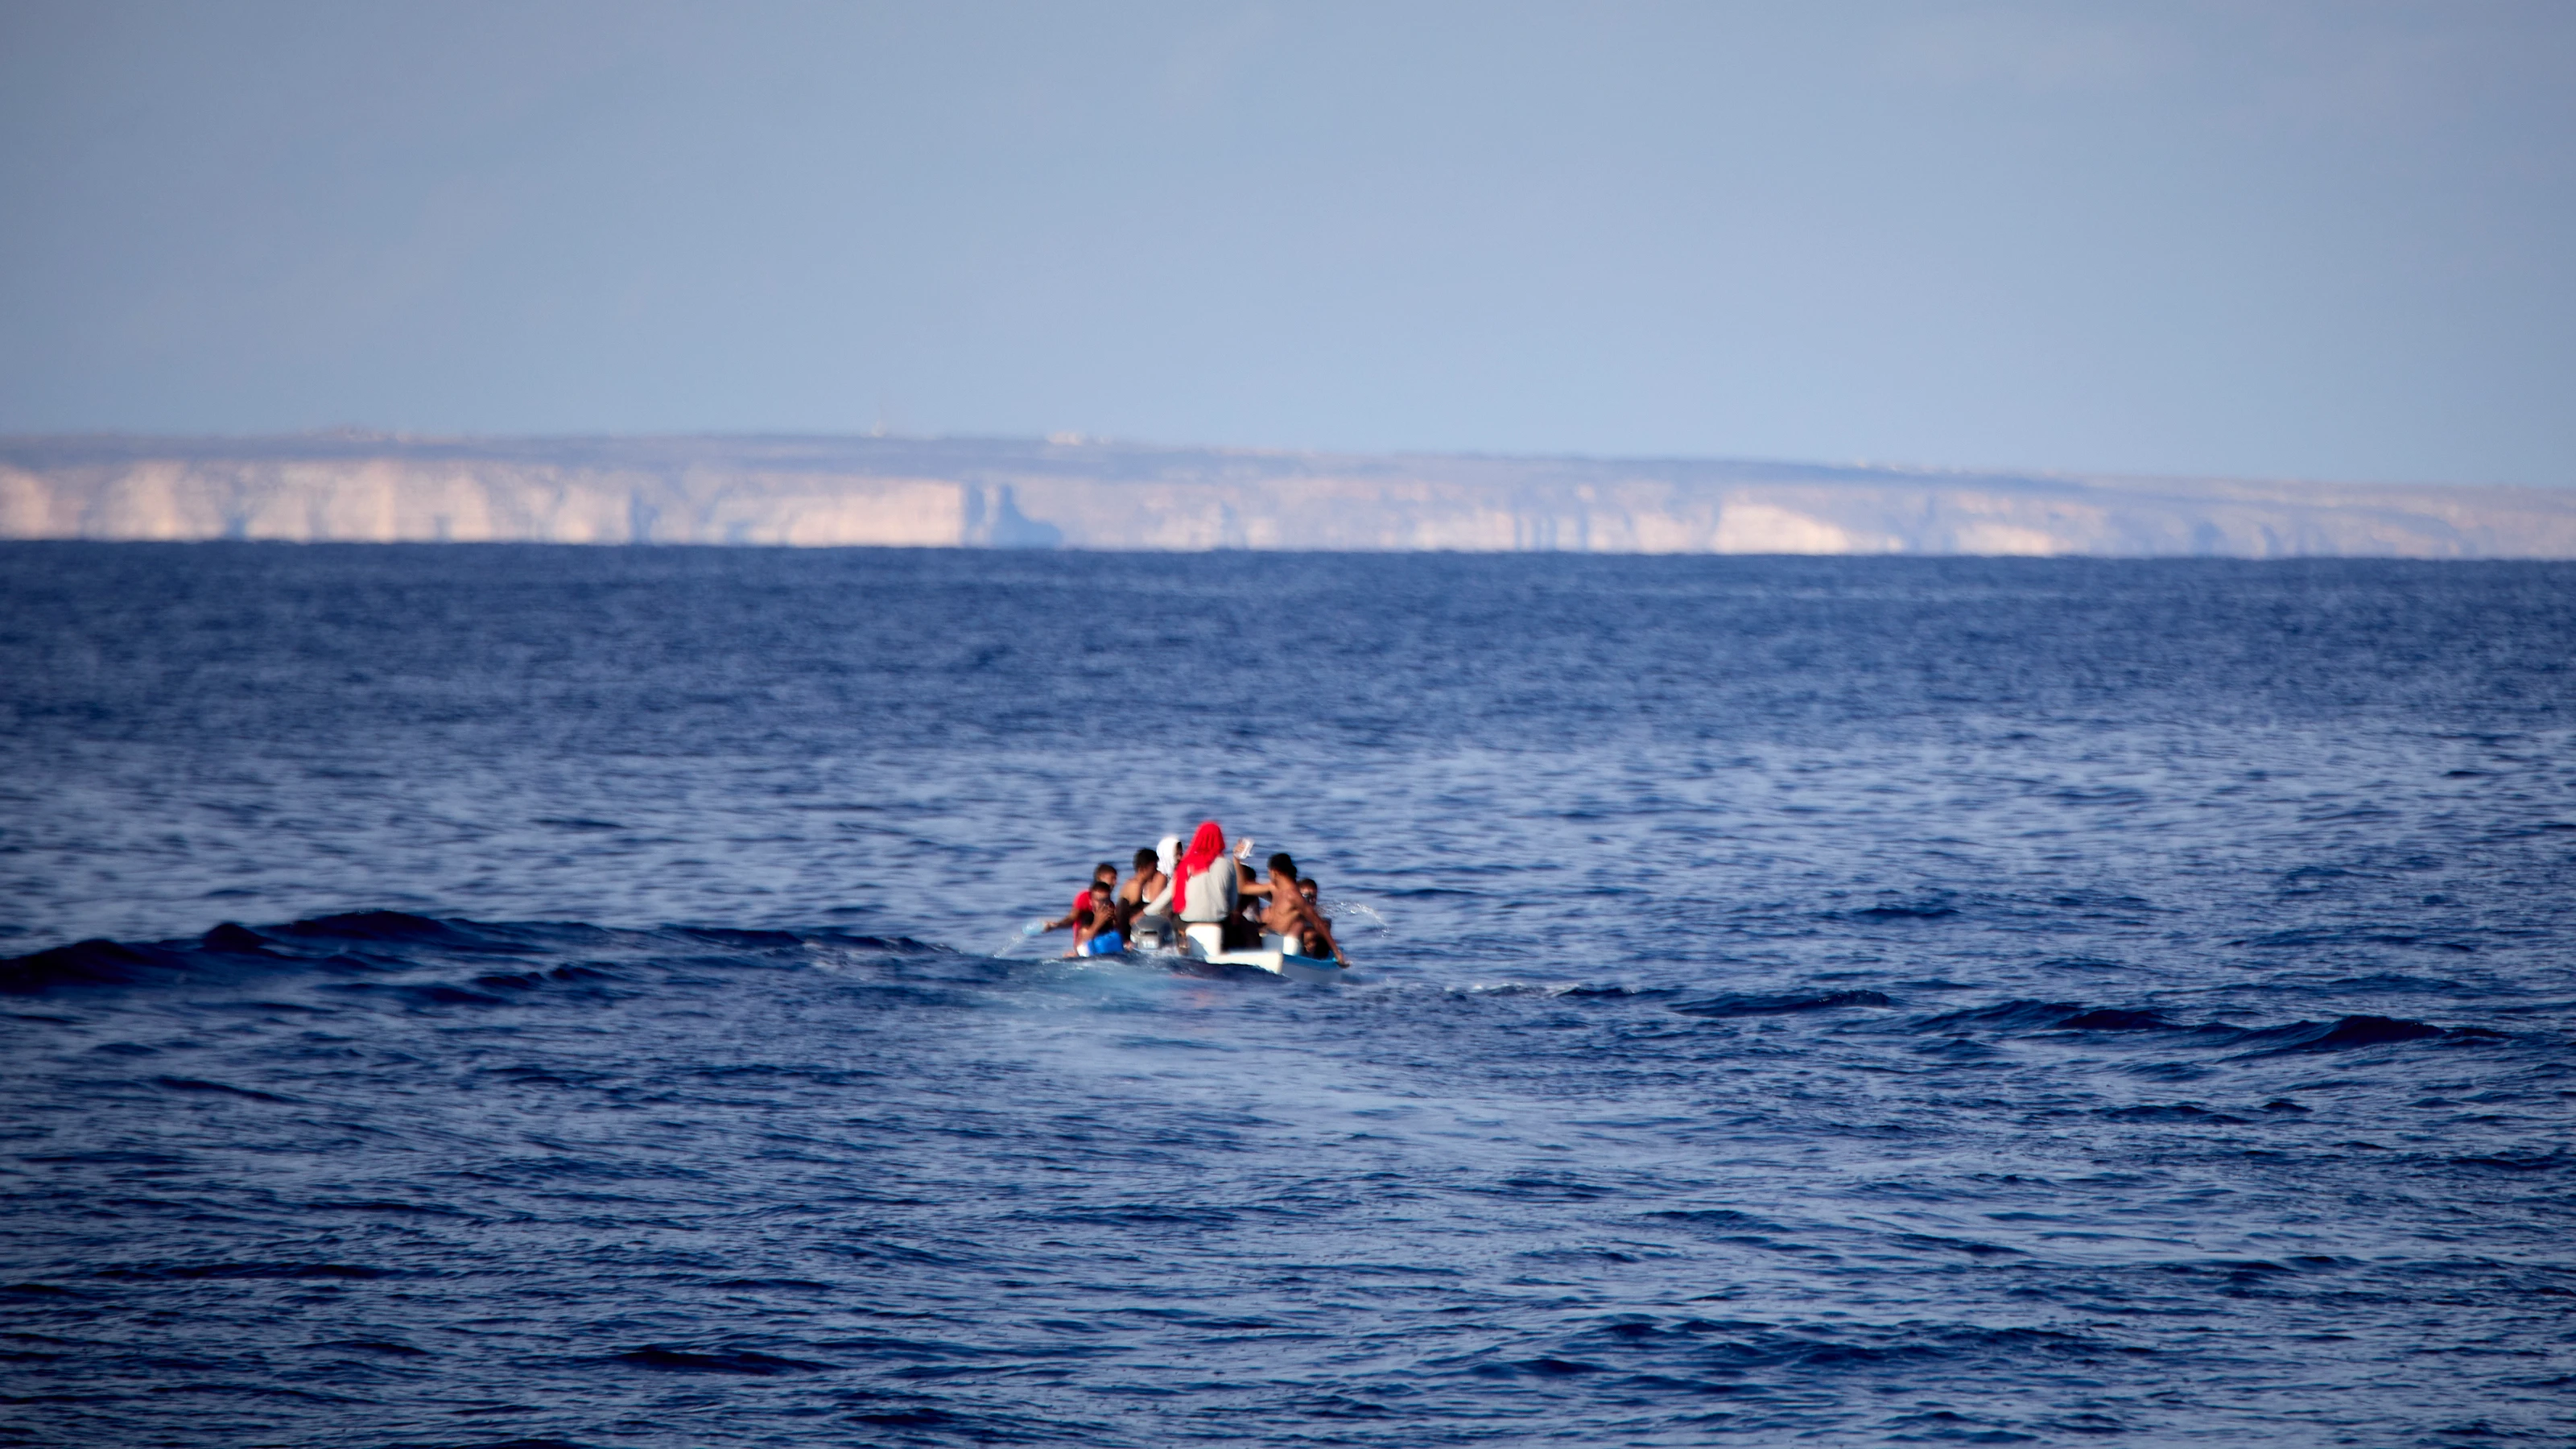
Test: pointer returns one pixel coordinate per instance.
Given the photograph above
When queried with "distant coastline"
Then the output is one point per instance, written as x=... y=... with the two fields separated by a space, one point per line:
x=969 y=493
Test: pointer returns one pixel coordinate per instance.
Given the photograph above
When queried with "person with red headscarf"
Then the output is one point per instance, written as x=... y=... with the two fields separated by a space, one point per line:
x=1205 y=885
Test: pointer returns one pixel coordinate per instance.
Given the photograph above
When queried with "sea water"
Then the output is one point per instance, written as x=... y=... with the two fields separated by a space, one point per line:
x=479 y=996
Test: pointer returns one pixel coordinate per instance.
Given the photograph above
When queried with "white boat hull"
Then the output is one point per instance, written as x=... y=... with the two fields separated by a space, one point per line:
x=1206 y=943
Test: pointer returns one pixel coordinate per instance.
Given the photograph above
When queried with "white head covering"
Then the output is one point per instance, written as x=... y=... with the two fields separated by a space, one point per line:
x=1167 y=853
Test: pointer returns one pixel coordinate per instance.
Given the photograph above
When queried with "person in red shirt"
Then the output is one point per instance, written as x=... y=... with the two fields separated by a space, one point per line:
x=1096 y=932
x=1101 y=874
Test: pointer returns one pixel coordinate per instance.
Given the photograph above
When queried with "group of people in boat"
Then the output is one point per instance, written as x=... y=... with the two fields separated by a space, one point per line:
x=1173 y=888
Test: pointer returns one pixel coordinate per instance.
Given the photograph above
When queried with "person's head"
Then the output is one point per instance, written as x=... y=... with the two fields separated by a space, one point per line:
x=1105 y=872
x=1100 y=890
x=1208 y=841
x=1144 y=861
x=1282 y=868
x=1309 y=888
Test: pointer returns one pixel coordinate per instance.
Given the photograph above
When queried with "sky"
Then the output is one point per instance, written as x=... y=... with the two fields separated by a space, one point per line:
x=2321 y=240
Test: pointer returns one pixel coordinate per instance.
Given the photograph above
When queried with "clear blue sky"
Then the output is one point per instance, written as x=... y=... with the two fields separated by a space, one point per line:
x=2325 y=240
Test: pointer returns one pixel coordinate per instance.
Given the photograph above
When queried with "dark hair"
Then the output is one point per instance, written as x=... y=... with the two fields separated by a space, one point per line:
x=1104 y=865
x=1280 y=864
x=1309 y=883
x=1098 y=888
x=1144 y=858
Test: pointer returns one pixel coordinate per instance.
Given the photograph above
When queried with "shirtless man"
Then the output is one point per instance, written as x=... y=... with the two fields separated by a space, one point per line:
x=1140 y=889
x=1293 y=914
x=1282 y=869
x=1312 y=890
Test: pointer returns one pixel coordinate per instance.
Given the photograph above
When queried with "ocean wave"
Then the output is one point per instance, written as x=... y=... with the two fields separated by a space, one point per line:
x=363 y=943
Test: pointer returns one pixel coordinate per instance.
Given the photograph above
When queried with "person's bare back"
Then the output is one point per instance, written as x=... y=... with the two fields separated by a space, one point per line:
x=1294 y=916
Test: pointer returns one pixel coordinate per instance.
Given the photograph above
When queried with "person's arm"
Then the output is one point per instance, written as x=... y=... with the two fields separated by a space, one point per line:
x=1323 y=928
x=1074 y=917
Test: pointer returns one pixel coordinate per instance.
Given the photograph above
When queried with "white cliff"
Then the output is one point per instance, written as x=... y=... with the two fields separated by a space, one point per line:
x=965 y=493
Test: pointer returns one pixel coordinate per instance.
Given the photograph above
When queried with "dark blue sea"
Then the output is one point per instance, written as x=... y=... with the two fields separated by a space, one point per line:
x=524 y=996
